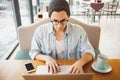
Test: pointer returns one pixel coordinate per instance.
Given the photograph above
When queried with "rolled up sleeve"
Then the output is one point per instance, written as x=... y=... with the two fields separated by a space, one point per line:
x=86 y=45
x=35 y=45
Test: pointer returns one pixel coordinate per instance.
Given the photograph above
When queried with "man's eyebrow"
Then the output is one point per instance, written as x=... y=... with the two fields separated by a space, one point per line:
x=59 y=20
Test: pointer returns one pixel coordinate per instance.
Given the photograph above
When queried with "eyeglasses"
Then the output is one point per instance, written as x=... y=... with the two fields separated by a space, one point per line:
x=56 y=22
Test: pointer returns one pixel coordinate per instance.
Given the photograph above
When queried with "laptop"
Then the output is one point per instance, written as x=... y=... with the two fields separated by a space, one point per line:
x=42 y=74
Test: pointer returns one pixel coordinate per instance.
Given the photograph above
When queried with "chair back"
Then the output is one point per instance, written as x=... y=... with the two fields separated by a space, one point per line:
x=97 y=6
x=25 y=33
x=112 y=7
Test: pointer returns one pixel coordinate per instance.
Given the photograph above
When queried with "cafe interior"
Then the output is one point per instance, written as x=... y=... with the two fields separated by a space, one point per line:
x=19 y=13
x=20 y=18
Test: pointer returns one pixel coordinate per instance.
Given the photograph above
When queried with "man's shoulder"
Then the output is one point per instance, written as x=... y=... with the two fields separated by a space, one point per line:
x=75 y=27
x=44 y=26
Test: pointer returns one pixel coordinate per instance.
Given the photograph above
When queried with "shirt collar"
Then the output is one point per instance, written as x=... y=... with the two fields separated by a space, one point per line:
x=50 y=30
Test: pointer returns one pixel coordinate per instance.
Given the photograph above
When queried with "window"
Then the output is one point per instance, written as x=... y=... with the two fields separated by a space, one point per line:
x=25 y=12
x=8 y=34
x=9 y=23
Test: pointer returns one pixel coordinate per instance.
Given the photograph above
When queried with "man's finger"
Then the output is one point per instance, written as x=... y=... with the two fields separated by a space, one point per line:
x=57 y=67
x=77 y=71
x=51 y=69
x=74 y=70
x=54 y=71
x=48 y=67
x=70 y=70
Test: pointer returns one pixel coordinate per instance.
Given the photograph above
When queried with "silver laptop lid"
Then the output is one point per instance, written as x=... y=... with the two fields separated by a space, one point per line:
x=84 y=76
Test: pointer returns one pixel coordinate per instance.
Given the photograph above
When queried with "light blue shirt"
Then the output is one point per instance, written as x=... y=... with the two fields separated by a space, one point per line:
x=76 y=42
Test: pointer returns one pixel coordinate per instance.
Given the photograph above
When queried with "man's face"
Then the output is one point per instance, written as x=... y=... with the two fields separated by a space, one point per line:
x=59 y=20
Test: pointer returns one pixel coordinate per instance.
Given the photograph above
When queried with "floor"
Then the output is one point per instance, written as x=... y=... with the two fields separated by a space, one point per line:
x=110 y=35
x=110 y=38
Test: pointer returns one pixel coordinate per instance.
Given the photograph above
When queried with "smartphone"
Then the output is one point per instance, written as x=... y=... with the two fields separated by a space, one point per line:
x=29 y=67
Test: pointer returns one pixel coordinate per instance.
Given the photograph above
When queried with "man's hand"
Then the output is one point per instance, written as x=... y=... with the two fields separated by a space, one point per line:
x=53 y=65
x=76 y=68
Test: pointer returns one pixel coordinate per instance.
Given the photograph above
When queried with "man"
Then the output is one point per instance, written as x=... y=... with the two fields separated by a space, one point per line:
x=60 y=39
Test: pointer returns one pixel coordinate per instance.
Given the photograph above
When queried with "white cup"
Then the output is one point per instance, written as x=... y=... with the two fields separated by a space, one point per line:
x=101 y=61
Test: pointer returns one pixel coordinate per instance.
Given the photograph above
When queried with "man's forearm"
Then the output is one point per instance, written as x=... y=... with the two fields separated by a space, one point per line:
x=41 y=57
x=87 y=57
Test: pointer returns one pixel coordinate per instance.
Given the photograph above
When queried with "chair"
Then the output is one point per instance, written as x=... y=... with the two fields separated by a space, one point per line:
x=97 y=8
x=25 y=34
x=84 y=7
x=111 y=8
x=80 y=8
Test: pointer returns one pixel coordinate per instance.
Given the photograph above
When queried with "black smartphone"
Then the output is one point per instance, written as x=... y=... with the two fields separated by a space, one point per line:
x=29 y=67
